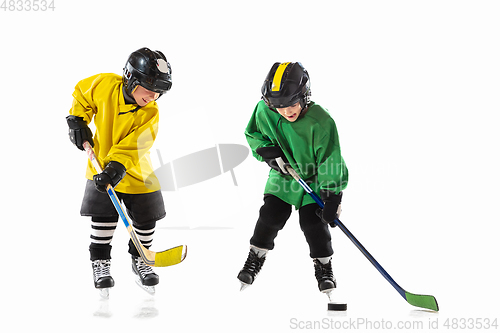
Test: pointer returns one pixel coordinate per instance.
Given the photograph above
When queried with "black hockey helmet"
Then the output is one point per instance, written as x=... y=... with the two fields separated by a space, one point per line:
x=149 y=69
x=286 y=84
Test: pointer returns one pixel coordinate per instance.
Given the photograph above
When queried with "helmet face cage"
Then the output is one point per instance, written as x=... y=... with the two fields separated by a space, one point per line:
x=148 y=69
x=285 y=85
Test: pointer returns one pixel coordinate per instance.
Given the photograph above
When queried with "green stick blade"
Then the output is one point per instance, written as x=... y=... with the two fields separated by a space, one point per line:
x=422 y=301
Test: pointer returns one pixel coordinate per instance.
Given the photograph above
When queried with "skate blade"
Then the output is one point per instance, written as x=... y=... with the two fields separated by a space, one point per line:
x=104 y=292
x=328 y=291
x=329 y=294
x=149 y=289
x=244 y=286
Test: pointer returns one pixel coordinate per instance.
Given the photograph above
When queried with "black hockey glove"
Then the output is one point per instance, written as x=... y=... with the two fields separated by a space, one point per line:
x=112 y=174
x=332 y=208
x=79 y=132
x=274 y=157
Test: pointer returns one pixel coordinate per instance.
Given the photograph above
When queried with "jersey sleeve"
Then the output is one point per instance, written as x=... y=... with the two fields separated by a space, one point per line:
x=83 y=105
x=255 y=138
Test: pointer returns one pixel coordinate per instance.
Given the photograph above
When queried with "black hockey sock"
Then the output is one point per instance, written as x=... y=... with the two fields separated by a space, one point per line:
x=99 y=251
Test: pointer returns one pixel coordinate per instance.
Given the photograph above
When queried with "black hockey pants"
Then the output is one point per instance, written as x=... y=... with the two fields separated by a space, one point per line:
x=273 y=216
x=143 y=209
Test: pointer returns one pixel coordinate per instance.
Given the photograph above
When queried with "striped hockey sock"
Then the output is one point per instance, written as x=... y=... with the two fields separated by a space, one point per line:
x=101 y=235
x=145 y=234
x=102 y=231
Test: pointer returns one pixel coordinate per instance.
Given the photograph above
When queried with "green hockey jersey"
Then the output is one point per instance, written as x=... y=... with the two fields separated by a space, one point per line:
x=311 y=146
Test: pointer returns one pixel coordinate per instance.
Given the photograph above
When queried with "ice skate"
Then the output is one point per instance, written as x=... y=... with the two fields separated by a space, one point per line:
x=146 y=278
x=324 y=275
x=102 y=277
x=252 y=267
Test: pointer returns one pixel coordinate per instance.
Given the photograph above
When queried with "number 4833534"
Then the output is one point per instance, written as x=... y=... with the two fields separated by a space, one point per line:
x=27 y=5
x=471 y=323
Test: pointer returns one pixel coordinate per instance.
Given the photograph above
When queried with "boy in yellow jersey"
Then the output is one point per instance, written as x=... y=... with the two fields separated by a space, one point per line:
x=125 y=114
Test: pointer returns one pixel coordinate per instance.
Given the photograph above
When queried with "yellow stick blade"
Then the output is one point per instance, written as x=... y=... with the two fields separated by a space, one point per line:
x=171 y=256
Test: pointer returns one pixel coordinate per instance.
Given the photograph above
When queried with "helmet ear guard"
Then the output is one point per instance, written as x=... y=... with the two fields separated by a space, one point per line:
x=129 y=81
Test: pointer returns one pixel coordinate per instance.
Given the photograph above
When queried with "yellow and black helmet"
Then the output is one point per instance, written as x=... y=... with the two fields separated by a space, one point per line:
x=286 y=84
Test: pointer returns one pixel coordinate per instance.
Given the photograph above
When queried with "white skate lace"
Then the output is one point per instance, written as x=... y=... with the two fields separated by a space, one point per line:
x=101 y=268
x=143 y=269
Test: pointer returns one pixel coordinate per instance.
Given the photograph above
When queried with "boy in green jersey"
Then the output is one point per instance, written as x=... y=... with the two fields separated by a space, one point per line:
x=287 y=128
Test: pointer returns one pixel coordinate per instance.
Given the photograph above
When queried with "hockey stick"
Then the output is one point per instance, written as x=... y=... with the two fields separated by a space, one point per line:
x=422 y=301
x=168 y=257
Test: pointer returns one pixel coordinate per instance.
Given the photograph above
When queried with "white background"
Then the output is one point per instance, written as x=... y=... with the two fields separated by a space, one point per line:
x=412 y=85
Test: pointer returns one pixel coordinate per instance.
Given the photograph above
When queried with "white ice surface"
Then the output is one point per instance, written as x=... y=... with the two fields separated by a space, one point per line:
x=203 y=293
x=413 y=87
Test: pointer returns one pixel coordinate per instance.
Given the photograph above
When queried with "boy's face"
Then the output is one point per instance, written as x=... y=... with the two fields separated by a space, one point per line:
x=290 y=113
x=143 y=96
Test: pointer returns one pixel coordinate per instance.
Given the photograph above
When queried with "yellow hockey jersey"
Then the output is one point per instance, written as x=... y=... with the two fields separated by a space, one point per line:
x=124 y=133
